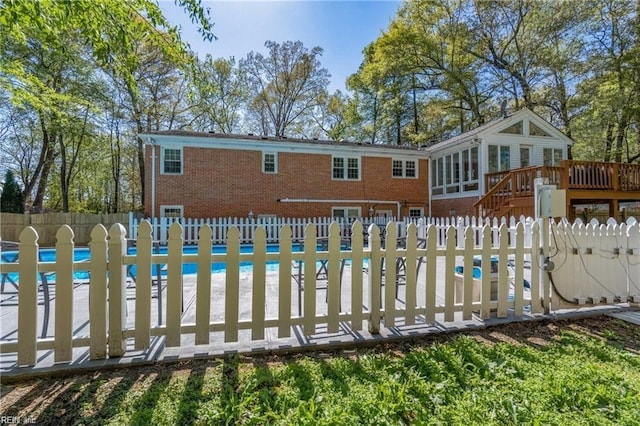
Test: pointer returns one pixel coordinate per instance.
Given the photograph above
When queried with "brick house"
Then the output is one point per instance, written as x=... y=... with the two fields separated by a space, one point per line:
x=220 y=175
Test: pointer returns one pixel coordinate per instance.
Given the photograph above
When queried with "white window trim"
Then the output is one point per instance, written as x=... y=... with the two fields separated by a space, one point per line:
x=162 y=151
x=404 y=168
x=164 y=208
x=275 y=155
x=346 y=167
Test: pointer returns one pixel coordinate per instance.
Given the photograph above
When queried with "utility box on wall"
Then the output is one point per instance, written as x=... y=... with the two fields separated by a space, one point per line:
x=553 y=202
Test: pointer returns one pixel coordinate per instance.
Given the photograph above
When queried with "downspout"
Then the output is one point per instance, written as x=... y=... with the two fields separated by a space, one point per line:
x=309 y=200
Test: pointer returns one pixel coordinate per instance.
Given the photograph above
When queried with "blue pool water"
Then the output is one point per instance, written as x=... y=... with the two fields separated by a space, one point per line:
x=82 y=253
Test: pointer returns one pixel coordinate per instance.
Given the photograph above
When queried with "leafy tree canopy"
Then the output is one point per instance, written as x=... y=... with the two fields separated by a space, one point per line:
x=109 y=27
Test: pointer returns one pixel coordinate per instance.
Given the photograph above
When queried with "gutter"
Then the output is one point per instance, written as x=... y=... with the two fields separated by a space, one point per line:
x=310 y=200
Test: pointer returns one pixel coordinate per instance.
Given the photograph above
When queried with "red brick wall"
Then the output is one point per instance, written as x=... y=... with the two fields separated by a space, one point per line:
x=462 y=207
x=220 y=183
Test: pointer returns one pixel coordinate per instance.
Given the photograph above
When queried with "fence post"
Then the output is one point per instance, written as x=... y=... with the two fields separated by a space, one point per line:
x=467 y=284
x=460 y=232
x=390 y=258
x=356 y=275
x=485 y=292
x=27 y=297
x=144 y=263
x=258 y=293
x=232 y=286
x=63 y=346
x=334 y=278
x=545 y=254
x=411 y=272
x=449 y=273
x=284 y=282
x=375 y=278
x=174 y=285
x=98 y=293
x=503 y=273
x=117 y=290
x=430 y=273
x=310 y=259
x=518 y=278
x=203 y=285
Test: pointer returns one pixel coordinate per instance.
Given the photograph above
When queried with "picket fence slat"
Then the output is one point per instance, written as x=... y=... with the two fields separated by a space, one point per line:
x=98 y=293
x=63 y=346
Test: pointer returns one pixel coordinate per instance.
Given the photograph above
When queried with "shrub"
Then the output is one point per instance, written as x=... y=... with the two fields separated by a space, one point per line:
x=12 y=198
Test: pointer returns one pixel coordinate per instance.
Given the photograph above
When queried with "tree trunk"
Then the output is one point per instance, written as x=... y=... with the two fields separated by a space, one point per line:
x=608 y=142
x=64 y=187
x=621 y=137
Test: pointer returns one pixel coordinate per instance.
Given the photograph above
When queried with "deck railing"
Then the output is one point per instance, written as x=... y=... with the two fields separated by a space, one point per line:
x=505 y=186
x=512 y=184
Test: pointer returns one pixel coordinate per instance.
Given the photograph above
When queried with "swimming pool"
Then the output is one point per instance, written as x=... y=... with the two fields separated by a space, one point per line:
x=82 y=253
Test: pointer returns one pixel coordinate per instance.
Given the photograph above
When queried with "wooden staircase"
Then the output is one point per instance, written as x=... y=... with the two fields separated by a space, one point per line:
x=510 y=193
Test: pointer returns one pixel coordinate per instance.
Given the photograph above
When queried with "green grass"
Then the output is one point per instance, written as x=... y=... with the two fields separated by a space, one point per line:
x=571 y=377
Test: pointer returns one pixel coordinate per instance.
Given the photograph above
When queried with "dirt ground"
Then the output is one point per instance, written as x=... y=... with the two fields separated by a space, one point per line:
x=20 y=397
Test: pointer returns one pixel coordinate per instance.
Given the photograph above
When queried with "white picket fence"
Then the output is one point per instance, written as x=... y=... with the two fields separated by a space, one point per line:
x=272 y=226
x=108 y=265
x=596 y=263
x=109 y=332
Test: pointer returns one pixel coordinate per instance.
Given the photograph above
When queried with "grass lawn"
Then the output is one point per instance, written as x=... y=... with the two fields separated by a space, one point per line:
x=576 y=372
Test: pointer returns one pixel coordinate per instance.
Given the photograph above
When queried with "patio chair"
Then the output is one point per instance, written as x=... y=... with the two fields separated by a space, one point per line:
x=322 y=275
x=45 y=281
x=159 y=282
x=401 y=264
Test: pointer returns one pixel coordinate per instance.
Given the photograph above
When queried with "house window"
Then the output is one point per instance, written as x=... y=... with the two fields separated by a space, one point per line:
x=171 y=211
x=470 y=169
x=537 y=131
x=436 y=176
x=416 y=212
x=397 y=168
x=410 y=169
x=514 y=129
x=525 y=155
x=499 y=158
x=269 y=162
x=404 y=168
x=346 y=168
x=171 y=161
x=346 y=213
x=453 y=174
x=552 y=156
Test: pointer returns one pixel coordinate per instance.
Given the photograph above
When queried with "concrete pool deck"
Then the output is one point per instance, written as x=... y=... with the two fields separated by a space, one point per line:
x=158 y=352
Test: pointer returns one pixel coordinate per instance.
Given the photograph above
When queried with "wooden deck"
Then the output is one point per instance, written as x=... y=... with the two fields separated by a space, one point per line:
x=510 y=193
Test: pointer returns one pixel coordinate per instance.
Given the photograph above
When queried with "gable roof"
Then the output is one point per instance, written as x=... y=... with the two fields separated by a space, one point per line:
x=499 y=124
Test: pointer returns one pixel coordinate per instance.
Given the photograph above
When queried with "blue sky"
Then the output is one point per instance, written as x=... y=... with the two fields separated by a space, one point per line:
x=341 y=28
